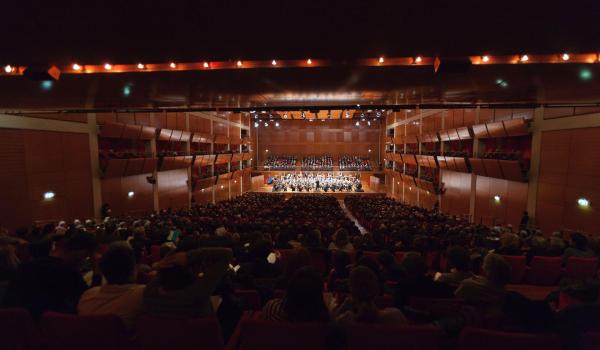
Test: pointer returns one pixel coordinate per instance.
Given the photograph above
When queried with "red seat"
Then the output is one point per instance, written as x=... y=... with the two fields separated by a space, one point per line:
x=399 y=256
x=284 y=254
x=157 y=333
x=155 y=253
x=261 y=335
x=477 y=339
x=432 y=260
x=371 y=337
x=250 y=298
x=72 y=332
x=581 y=268
x=320 y=260
x=383 y=301
x=372 y=255
x=518 y=267
x=544 y=271
x=438 y=307
x=17 y=330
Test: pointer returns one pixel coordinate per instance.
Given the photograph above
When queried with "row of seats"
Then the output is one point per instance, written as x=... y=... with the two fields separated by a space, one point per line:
x=547 y=271
x=71 y=332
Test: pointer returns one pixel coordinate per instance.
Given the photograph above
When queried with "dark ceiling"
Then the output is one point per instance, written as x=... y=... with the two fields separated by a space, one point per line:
x=43 y=32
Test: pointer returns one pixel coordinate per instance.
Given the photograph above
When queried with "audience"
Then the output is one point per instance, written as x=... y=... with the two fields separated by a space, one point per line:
x=317 y=163
x=280 y=163
x=354 y=163
x=458 y=262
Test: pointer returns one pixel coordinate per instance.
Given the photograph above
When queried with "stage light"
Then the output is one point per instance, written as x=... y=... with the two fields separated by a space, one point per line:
x=418 y=59
x=309 y=61
x=357 y=105
x=49 y=195
x=76 y=67
x=172 y=65
x=130 y=194
x=140 y=66
x=485 y=58
x=381 y=60
x=205 y=65
x=239 y=63
x=277 y=124
x=274 y=62
x=524 y=58
x=583 y=202
x=8 y=68
x=565 y=56
x=107 y=66
x=497 y=198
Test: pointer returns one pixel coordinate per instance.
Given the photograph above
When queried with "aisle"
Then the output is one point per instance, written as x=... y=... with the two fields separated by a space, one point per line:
x=351 y=217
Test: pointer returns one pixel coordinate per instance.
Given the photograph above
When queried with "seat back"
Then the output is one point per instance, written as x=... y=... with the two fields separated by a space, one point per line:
x=17 y=330
x=518 y=267
x=544 y=271
x=72 y=332
x=260 y=335
x=399 y=256
x=438 y=307
x=383 y=301
x=320 y=260
x=155 y=253
x=581 y=268
x=477 y=339
x=250 y=298
x=157 y=333
x=388 y=337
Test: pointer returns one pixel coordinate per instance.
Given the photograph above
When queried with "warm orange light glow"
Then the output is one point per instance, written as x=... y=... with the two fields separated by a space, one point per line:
x=485 y=58
x=140 y=66
x=172 y=65
x=206 y=65
x=76 y=67
x=524 y=58
x=381 y=59
x=107 y=66
x=274 y=62
x=8 y=68
x=418 y=59
x=309 y=61
x=565 y=56
x=239 y=63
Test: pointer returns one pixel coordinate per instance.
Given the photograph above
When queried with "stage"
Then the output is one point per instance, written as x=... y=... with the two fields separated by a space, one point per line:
x=337 y=195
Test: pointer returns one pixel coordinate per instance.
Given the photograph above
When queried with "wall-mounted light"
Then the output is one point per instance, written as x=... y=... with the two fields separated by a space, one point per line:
x=369 y=150
x=222 y=186
x=583 y=202
x=410 y=188
x=267 y=150
x=497 y=198
x=130 y=194
x=49 y=195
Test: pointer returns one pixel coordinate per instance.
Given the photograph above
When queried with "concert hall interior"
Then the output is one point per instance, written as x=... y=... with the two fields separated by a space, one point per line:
x=329 y=175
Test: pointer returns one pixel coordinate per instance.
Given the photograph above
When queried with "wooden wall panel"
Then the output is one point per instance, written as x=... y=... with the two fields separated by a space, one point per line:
x=456 y=199
x=334 y=137
x=114 y=193
x=35 y=162
x=173 y=189
x=513 y=201
x=569 y=164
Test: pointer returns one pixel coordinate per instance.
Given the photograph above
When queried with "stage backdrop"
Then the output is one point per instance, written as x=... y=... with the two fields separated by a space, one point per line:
x=333 y=137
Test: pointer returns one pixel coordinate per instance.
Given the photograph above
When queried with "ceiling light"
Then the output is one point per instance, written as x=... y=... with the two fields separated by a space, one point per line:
x=274 y=62
x=140 y=66
x=381 y=60
x=485 y=58
x=205 y=64
x=172 y=65
x=524 y=58
x=107 y=66
x=8 y=68
x=583 y=202
x=309 y=61
x=565 y=56
x=239 y=63
x=418 y=59
x=76 y=67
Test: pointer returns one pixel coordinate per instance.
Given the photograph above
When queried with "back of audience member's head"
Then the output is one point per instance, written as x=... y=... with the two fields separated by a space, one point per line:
x=260 y=250
x=496 y=269
x=298 y=258
x=414 y=265
x=8 y=258
x=385 y=258
x=312 y=239
x=118 y=264
x=341 y=261
x=40 y=248
x=303 y=301
x=579 y=240
x=166 y=248
x=364 y=287
x=79 y=246
x=458 y=258
x=341 y=238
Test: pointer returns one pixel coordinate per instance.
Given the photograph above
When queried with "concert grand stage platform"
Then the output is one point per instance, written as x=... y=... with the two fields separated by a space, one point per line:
x=337 y=195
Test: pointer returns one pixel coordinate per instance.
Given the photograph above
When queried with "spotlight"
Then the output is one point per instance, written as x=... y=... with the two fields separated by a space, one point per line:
x=172 y=65
x=418 y=59
x=140 y=66
x=76 y=67
x=309 y=61
x=524 y=58
x=239 y=63
x=8 y=68
x=565 y=56
x=205 y=64
x=381 y=60
x=107 y=66
x=485 y=58
x=274 y=62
